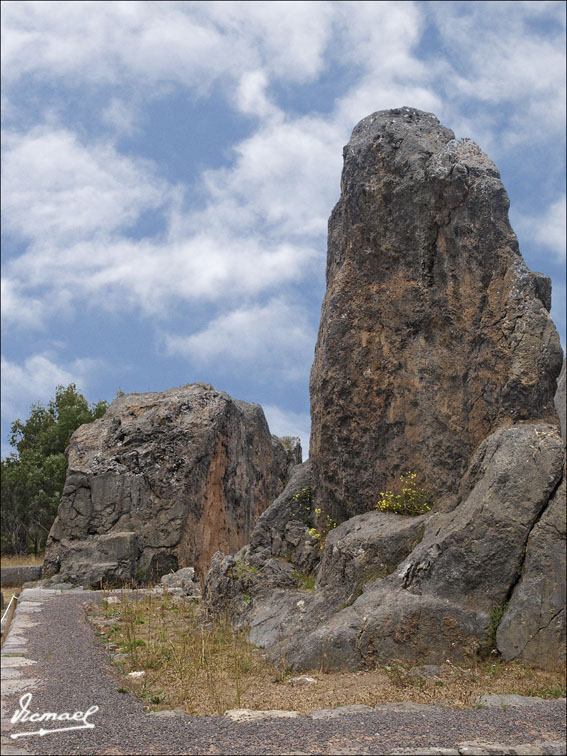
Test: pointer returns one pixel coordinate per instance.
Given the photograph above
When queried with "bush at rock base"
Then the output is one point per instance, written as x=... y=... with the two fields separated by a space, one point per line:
x=412 y=500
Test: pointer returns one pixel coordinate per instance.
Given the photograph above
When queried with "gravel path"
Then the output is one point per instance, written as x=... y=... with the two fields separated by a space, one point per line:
x=74 y=673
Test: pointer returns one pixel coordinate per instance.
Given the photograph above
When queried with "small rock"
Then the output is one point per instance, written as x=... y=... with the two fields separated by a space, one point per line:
x=403 y=706
x=169 y=713
x=424 y=752
x=511 y=699
x=428 y=671
x=340 y=711
x=251 y=715
x=136 y=675
x=302 y=680
x=542 y=748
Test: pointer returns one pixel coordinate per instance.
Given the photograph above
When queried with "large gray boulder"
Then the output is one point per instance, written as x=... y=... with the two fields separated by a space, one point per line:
x=367 y=547
x=533 y=626
x=559 y=401
x=163 y=481
x=420 y=589
x=444 y=597
x=433 y=331
x=477 y=550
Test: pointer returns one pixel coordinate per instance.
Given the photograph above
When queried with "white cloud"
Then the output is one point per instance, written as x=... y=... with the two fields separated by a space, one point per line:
x=284 y=422
x=103 y=43
x=21 y=309
x=36 y=378
x=275 y=337
x=121 y=116
x=494 y=56
x=148 y=277
x=55 y=187
x=285 y=178
x=251 y=96
x=187 y=43
x=75 y=204
x=550 y=230
x=547 y=229
x=290 y=38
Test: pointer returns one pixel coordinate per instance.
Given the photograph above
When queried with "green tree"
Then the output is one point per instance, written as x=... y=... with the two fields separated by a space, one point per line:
x=34 y=476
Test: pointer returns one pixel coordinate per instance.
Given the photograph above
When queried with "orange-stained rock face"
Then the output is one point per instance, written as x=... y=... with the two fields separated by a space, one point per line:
x=433 y=331
x=163 y=481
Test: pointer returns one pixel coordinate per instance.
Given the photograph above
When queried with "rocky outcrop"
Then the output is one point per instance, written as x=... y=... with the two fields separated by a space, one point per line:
x=288 y=452
x=433 y=331
x=559 y=401
x=533 y=626
x=180 y=583
x=20 y=574
x=436 y=354
x=418 y=589
x=163 y=481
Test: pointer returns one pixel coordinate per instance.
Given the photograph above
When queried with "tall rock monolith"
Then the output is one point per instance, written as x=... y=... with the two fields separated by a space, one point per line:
x=436 y=355
x=433 y=332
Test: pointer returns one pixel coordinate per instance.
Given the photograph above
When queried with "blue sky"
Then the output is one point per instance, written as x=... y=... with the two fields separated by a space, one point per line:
x=169 y=169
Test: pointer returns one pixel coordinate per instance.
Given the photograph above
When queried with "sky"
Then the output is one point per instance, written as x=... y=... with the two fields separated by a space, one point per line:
x=168 y=170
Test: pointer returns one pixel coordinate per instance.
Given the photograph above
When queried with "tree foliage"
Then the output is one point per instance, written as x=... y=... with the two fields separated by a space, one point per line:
x=34 y=476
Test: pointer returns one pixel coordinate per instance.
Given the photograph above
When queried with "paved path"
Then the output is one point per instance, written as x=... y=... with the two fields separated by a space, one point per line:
x=52 y=654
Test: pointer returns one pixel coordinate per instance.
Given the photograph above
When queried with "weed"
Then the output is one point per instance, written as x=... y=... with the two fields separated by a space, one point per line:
x=18 y=560
x=208 y=668
x=306 y=582
x=245 y=570
x=325 y=525
x=304 y=502
x=410 y=500
x=488 y=646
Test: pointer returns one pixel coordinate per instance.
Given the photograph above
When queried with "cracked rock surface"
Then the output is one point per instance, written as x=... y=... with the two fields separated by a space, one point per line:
x=163 y=481
x=433 y=332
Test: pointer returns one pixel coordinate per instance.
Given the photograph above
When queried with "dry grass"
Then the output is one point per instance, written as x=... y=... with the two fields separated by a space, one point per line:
x=8 y=592
x=20 y=560
x=207 y=671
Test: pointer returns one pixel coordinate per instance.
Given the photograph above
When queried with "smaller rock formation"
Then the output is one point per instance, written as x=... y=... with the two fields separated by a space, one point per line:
x=21 y=574
x=420 y=589
x=180 y=583
x=163 y=481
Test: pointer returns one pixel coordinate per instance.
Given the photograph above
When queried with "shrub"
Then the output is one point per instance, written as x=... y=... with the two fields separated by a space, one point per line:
x=412 y=500
x=326 y=524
